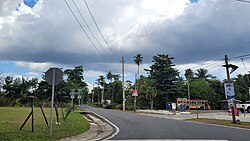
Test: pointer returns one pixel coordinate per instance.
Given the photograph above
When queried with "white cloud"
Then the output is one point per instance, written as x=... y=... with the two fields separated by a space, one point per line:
x=36 y=66
x=193 y=33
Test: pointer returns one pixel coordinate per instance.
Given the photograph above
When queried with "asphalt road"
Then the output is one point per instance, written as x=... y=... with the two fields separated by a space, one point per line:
x=134 y=126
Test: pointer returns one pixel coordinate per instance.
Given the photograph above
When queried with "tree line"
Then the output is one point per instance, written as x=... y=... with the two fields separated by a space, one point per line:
x=162 y=84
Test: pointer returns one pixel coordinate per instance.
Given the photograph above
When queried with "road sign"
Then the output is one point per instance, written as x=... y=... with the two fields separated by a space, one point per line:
x=196 y=104
x=58 y=76
x=229 y=91
x=134 y=92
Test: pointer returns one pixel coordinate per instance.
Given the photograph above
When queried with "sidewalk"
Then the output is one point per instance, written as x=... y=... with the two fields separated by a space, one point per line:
x=186 y=115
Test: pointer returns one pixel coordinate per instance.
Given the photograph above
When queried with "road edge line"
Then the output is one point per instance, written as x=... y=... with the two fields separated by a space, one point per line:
x=112 y=124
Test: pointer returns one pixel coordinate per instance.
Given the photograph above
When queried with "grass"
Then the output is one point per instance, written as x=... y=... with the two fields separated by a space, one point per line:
x=11 y=119
x=222 y=122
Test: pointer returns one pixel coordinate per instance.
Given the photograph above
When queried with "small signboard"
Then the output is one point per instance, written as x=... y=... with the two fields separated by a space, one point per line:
x=134 y=92
x=229 y=90
x=230 y=96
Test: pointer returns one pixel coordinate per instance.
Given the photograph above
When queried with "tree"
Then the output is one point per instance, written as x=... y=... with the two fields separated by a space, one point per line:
x=165 y=78
x=242 y=84
x=189 y=73
x=203 y=73
x=116 y=77
x=75 y=80
x=17 y=90
x=148 y=90
x=138 y=60
x=109 y=76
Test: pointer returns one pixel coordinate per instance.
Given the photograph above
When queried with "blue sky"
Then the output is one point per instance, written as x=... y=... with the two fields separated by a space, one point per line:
x=197 y=35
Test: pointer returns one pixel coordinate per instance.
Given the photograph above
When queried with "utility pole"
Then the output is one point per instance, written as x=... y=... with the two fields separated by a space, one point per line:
x=136 y=88
x=188 y=94
x=123 y=90
x=229 y=81
x=249 y=92
x=93 y=94
x=103 y=91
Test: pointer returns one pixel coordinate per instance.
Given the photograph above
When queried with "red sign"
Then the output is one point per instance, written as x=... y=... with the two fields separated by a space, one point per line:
x=236 y=111
x=134 y=92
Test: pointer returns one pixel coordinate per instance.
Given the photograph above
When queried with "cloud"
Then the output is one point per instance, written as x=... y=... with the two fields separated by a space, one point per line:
x=36 y=66
x=191 y=33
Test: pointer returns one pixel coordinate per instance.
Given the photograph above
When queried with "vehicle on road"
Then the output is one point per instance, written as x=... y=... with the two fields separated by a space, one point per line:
x=244 y=106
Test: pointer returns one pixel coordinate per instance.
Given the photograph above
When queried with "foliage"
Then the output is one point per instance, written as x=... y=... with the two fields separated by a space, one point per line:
x=242 y=84
x=203 y=73
x=165 y=77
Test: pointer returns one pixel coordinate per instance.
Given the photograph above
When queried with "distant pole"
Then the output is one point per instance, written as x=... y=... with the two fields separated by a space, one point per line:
x=123 y=90
x=103 y=92
x=188 y=94
x=249 y=92
x=93 y=94
x=229 y=81
x=52 y=102
x=136 y=88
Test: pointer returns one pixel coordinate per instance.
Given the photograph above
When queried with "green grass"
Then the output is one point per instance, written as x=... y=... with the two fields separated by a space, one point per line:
x=11 y=119
x=222 y=122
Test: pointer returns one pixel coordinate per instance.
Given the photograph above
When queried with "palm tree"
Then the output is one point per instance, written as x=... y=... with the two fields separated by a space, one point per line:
x=189 y=73
x=203 y=73
x=101 y=81
x=138 y=60
x=109 y=76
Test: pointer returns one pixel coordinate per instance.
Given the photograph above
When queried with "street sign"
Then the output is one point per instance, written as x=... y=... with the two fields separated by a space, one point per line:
x=196 y=104
x=229 y=90
x=58 y=76
x=134 y=92
x=53 y=76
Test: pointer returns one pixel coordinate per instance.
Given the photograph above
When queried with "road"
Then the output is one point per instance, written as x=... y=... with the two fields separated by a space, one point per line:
x=135 y=126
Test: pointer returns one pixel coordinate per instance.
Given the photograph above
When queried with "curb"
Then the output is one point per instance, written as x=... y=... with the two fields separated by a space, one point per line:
x=100 y=129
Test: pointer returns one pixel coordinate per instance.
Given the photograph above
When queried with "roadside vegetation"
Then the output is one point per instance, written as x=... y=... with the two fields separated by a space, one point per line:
x=162 y=84
x=12 y=118
x=222 y=122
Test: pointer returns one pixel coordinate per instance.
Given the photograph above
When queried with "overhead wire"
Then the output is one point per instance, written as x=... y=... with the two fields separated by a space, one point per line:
x=243 y=1
x=84 y=30
x=98 y=28
x=88 y=26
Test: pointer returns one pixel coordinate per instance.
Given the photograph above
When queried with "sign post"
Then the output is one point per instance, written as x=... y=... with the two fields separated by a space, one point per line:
x=135 y=94
x=53 y=76
x=197 y=105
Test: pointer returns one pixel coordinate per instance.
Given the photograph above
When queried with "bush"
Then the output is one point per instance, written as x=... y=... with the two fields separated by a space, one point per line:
x=118 y=106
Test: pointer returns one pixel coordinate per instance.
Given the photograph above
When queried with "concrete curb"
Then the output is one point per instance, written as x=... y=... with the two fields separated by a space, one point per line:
x=99 y=129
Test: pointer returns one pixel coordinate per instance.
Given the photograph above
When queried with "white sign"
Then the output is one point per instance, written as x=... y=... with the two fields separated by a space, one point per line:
x=229 y=91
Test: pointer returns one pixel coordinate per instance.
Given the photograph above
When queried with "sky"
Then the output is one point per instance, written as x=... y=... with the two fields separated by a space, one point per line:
x=197 y=33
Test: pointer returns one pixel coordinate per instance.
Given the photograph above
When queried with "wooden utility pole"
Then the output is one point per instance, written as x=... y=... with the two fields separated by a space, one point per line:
x=123 y=90
x=103 y=92
x=93 y=94
x=136 y=88
x=229 y=81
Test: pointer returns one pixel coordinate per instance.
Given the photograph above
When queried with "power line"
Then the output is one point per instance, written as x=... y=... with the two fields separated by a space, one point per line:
x=86 y=4
x=106 y=64
x=243 y=1
x=84 y=30
x=88 y=26
x=241 y=56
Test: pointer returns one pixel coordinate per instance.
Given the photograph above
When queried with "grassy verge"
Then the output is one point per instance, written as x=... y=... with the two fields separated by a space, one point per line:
x=11 y=119
x=222 y=122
